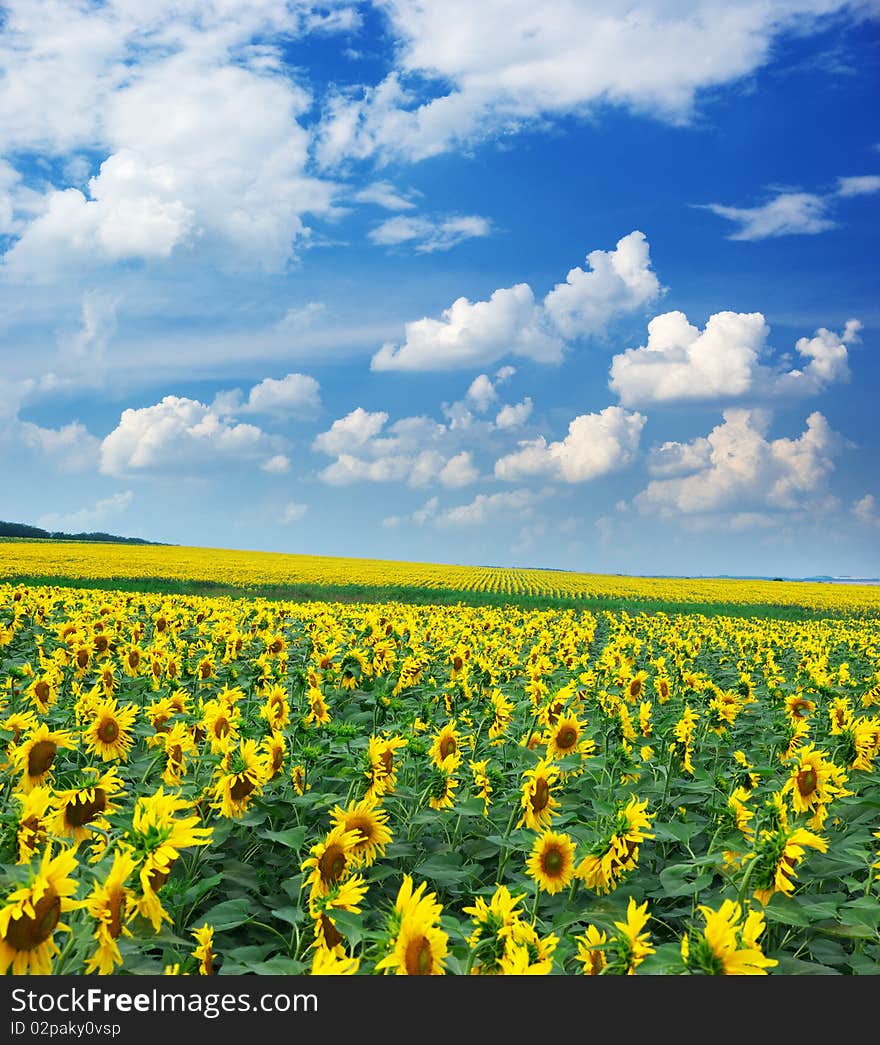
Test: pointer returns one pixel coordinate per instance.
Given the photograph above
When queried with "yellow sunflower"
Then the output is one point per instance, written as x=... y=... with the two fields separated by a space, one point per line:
x=632 y=944
x=329 y=861
x=78 y=807
x=566 y=737
x=238 y=779
x=381 y=769
x=726 y=946
x=551 y=861
x=537 y=795
x=31 y=915
x=777 y=855
x=591 y=950
x=418 y=946
x=110 y=733
x=33 y=822
x=34 y=756
x=370 y=820
x=445 y=750
x=204 y=951
x=329 y=963
x=110 y=904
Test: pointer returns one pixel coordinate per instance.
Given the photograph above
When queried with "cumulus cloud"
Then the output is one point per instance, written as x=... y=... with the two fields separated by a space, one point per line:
x=468 y=71
x=679 y=362
x=515 y=414
x=481 y=393
x=295 y=394
x=426 y=235
x=615 y=282
x=741 y=472
x=277 y=464
x=384 y=194
x=413 y=449
x=472 y=334
x=178 y=433
x=512 y=322
x=86 y=520
x=595 y=445
x=72 y=448
x=223 y=168
x=859 y=185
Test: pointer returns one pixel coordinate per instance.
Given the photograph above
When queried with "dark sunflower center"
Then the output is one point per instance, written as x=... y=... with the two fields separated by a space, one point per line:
x=276 y=646
x=387 y=760
x=332 y=936
x=134 y=658
x=205 y=670
x=42 y=691
x=157 y=878
x=635 y=687
x=161 y=624
x=417 y=959
x=552 y=862
x=242 y=787
x=566 y=738
x=277 y=759
x=82 y=658
x=457 y=663
x=117 y=913
x=807 y=782
x=541 y=797
x=448 y=747
x=108 y=731
x=27 y=932
x=81 y=810
x=101 y=643
x=363 y=826
x=332 y=863
x=41 y=757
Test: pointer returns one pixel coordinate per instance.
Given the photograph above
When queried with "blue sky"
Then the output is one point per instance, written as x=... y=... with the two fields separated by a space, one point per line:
x=567 y=284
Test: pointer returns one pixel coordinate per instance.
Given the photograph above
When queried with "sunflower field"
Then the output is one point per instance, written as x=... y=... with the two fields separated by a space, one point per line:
x=243 y=785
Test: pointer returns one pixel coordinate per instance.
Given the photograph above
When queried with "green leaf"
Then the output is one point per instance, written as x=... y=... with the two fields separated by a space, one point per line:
x=864 y=911
x=292 y=838
x=291 y=915
x=228 y=914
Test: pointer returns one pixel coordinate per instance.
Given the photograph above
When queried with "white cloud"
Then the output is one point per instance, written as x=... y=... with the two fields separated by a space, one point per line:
x=347 y=469
x=296 y=320
x=859 y=185
x=475 y=334
x=744 y=473
x=673 y=458
x=383 y=194
x=98 y=325
x=481 y=393
x=178 y=433
x=512 y=416
x=71 y=447
x=296 y=395
x=786 y=214
x=679 y=362
x=278 y=464
x=427 y=235
x=470 y=71
x=512 y=322
x=350 y=432
x=867 y=511
x=616 y=281
x=87 y=520
x=458 y=471
x=485 y=508
x=595 y=445
x=293 y=512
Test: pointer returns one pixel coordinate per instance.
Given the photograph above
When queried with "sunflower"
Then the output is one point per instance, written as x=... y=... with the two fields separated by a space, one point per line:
x=342 y=896
x=443 y=788
x=43 y=690
x=238 y=779
x=110 y=904
x=537 y=795
x=525 y=953
x=617 y=852
x=274 y=749
x=33 y=828
x=726 y=946
x=178 y=743
x=418 y=946
x=632 y=944
x=381 y=771
x=566 y=737
x=371 y=821
x=34 y=756
x=493 y=922
x=204 y=951
x=329 y=861
x=328 y=963
x=319 y=711
x=551 y=861
x=776 y=856
x=799 y=706
x=445 y=750
x=110 y=734
x=482 y=783
x=220 y=722
x=78 y=807
x=298 y=779
x=133 y=659
x=18 y=723
x=157 y=835
x=813 y=783
x=31 y=915
x=591 y=950
x=276 y=708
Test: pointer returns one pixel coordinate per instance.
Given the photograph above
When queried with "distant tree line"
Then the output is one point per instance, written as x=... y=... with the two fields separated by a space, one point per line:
x=10 y=529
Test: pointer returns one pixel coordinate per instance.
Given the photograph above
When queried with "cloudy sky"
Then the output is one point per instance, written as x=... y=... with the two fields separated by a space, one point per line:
x=579 y=284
